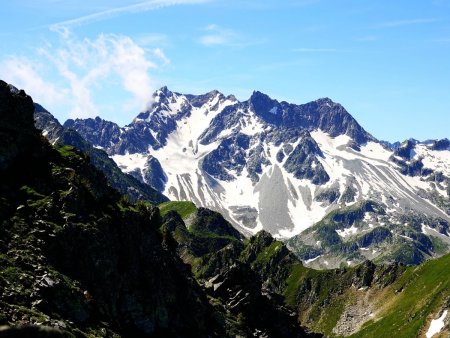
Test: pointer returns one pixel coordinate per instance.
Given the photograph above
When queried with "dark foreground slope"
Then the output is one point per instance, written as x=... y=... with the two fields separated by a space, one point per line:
x=75 y=255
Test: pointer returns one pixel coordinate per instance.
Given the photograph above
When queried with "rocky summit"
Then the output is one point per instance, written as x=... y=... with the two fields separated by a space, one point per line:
x=289 y=169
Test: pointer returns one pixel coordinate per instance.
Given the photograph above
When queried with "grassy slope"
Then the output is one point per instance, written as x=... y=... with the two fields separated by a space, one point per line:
x=184 y=208
x=405 y=307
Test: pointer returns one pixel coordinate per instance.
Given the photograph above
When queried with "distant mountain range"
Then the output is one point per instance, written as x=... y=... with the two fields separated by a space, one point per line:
x=289 y=169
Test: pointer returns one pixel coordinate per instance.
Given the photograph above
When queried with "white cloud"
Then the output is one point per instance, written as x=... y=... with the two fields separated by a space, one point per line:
x=24 y=74
x=78 y=76
x=112 y=12
x=86 y=64
x=160 y=55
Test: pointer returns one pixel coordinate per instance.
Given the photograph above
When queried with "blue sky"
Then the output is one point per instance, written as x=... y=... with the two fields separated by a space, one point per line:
x=386 y=62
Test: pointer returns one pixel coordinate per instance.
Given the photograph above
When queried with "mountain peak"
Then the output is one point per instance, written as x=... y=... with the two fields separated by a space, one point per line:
x=258 y=95
x=325 y=101
x=162 y=92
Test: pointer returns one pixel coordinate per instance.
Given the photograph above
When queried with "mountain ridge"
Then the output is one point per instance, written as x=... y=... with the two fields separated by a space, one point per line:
x=282 y=167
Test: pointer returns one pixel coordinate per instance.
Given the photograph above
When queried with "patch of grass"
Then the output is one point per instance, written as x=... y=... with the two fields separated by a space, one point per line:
x=12 y=274
x=183 y=208
x=67 y=151
x=268 y=252
x=31 y=193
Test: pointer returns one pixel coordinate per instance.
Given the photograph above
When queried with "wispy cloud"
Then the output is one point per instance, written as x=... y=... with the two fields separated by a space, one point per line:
x=84 y=64
x=158 y=52
x=315 y=50
x=219 y=36
x=266 y=4
x=409 y=22
x=112 y=12
x=26 y=74
x=71 y=75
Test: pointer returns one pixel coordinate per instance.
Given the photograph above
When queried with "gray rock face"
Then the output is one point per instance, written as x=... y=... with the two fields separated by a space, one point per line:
x=229 y=156
x=96 y=131
x=303 y=162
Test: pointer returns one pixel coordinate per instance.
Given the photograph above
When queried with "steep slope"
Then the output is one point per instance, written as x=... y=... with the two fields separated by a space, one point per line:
x=124 y=183
x=78 y=257
x=73 y=254
x=366 y=300
x=282 y=167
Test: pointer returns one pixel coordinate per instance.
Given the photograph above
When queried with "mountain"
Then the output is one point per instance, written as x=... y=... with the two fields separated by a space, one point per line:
x=78 y=257
x=366 y=300
x=285 y=168
x=124 y=183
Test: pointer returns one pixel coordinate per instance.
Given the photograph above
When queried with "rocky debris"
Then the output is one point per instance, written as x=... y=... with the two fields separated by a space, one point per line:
x=354 y=315
x=239 y=289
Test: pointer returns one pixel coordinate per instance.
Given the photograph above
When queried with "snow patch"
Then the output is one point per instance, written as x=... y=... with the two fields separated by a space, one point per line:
x=436 y=325
x=347 y=232
x=312 y=259
x=131 y=162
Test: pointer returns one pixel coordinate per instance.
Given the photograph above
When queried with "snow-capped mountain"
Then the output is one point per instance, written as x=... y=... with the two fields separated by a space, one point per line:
x=273 y=165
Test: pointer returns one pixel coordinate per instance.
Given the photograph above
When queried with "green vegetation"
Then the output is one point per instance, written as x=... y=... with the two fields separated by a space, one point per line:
x=183 y=208
x=67 y=151
x=30 y=192
x=268 y=252
x=409 y=301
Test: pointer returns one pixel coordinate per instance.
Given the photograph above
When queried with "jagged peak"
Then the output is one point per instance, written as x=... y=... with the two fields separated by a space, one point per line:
x=257 y=95
x=263 y=236
x=409 y=143
x=325 y=100
x=443 y=144
x=90 y=121
x=164 y=90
